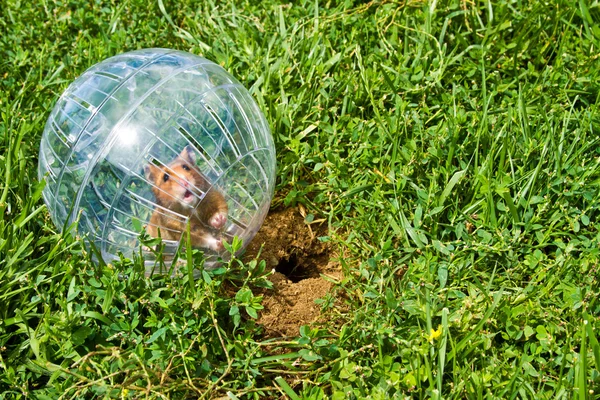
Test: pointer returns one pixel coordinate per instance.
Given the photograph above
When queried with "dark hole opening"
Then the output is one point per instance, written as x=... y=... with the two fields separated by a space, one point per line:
x=293 y=269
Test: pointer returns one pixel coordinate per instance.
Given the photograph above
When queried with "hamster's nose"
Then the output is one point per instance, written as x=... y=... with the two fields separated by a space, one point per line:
x=183 y=183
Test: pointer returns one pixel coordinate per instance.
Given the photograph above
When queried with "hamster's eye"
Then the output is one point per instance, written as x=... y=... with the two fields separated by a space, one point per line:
x=185 y=167
x=166 y=177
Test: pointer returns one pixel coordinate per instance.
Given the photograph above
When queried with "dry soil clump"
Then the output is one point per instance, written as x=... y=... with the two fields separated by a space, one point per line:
x=292 y=248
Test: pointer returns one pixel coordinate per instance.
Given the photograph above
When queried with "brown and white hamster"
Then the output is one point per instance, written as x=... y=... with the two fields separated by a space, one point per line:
x=174 y=187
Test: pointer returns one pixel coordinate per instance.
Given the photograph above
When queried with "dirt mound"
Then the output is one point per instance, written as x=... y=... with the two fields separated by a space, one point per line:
x=291 y=246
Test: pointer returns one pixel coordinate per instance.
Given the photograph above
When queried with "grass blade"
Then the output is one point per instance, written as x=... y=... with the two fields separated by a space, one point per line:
x=450 y=185
x=286 y=388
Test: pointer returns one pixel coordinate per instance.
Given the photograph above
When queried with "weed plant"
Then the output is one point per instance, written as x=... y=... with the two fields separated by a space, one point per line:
x=451 y=146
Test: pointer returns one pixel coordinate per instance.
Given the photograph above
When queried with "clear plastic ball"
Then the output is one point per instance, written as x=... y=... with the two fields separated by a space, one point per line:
x=162 y=141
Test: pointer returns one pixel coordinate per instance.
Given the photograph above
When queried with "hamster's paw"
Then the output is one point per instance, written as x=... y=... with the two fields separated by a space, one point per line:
x=215 y=244
x=218 y=220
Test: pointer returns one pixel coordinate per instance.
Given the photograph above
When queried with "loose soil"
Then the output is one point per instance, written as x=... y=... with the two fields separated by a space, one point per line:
x=290 y=246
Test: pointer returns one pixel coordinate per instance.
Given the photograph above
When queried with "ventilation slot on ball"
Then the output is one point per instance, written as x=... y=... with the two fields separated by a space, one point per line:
x=108 y=75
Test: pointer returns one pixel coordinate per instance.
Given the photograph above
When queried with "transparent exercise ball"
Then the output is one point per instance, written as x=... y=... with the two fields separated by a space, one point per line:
x=160 y=141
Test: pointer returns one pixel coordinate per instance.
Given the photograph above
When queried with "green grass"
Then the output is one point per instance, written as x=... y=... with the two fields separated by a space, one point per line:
x=453 y=148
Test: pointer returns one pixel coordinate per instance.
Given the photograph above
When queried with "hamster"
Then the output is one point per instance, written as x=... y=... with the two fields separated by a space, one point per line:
x=173 y=187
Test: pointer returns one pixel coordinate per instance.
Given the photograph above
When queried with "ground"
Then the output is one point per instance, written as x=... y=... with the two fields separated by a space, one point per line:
x=304 y=270
x=446 y=154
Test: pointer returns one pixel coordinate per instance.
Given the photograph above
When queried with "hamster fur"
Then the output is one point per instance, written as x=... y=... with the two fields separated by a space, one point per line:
x=173 y=187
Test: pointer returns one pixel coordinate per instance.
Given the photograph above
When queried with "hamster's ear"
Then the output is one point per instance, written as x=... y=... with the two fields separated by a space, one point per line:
x=150 y=171
x=188 y=154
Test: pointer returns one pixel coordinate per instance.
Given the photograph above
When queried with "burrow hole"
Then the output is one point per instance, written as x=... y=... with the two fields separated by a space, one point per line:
x=295 y=269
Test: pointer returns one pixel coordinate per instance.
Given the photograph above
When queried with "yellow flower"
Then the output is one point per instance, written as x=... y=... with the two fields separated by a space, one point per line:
x=434 y=334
